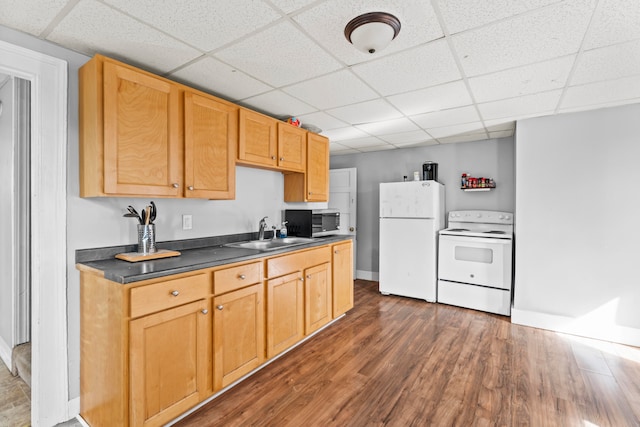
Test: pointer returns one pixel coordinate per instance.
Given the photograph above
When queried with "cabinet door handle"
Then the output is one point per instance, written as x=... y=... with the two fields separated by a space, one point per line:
x=301 y=279
x=242 y=277
x=175 y=293
x=281 y=158
x=220 y=307
x=190 y=188
x=335 y=252
x=205 y=311
x=176 y=185
x=308 y=277
x=310 y=193
x=273 y=157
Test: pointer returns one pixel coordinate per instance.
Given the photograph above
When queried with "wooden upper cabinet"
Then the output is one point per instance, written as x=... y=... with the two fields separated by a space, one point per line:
x=257 y=139
x=313 y=185
x=142 y=153
x=292 y=147
x=210 y=138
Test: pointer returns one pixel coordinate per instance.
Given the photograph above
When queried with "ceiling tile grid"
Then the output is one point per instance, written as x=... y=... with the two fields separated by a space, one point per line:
x=458 y=71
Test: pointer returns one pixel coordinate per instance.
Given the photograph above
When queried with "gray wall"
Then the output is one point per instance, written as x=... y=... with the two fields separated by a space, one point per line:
x=7 y=206
x=491 y=158
x=98 y=222
x=576 y=213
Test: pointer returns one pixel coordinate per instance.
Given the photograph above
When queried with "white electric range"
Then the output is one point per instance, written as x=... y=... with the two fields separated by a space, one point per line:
x=475 y=261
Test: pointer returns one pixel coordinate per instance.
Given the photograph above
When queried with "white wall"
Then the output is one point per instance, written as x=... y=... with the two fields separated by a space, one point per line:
x=492 y=158
x=7 y=207
x=577 y=208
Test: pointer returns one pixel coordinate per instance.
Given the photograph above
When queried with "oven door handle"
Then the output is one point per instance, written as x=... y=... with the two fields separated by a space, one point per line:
x=474 y=239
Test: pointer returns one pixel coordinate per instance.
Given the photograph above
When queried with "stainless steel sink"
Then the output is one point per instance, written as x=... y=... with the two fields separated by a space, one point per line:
x=271 y=245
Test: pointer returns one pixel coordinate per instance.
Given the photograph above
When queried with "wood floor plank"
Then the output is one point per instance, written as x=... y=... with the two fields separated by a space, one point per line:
x=394 y=361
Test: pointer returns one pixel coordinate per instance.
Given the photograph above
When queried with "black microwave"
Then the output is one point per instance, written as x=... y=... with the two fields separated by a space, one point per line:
x=312 y=222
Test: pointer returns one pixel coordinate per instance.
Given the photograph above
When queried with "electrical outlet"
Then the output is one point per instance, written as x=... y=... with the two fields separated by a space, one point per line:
x=187 y=222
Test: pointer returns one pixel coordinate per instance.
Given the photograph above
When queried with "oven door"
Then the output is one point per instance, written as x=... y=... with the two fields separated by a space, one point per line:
x=475 y=260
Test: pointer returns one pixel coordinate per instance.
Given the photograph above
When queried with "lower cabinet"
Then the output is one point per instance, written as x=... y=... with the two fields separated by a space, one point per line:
x=342 y=277
x=285 y=312
x=317 y=297
x=168 y=368
x=151 y=350
x=238 y=334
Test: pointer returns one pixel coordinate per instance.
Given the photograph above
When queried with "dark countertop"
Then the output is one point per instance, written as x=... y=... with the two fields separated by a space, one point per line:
x=196 y=254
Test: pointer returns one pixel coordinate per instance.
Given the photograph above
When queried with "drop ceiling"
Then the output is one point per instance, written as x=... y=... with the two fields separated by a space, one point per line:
x=460 y=70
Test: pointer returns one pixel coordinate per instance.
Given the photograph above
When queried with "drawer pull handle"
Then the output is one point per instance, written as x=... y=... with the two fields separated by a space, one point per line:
x=242 y=277
x=175 y=293
x=205 y=311
x=176 y=185
x=220 y=307
x=190 y=188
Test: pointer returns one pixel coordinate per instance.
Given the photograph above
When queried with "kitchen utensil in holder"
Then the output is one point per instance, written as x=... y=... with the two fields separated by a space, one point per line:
x=146 y=238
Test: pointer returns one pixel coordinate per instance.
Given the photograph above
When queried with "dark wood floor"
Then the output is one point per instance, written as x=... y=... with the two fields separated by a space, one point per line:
x=402 y=362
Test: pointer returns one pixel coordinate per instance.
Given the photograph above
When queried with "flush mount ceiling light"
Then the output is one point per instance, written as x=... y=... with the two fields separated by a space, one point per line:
x=372 y=31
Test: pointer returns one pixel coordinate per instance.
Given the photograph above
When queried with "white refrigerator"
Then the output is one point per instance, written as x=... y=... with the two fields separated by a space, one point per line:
x=411 y=213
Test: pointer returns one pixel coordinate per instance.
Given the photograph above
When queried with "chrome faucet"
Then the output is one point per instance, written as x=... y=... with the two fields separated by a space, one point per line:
x=263 y=225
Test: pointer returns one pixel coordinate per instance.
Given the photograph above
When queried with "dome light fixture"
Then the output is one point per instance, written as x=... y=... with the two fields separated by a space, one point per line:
x=372 y=31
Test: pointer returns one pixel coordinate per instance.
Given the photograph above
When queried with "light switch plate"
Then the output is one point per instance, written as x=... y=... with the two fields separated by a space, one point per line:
x=187 y=222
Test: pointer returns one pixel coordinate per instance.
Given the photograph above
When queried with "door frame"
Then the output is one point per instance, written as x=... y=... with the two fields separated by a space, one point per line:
x=48 y=77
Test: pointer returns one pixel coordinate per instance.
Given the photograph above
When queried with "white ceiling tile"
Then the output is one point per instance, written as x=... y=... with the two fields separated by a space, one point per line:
x=420 y=67
x=524 y=106
x=334 y=146
x=376 y=148
x=525 y=80
x=546 y=33
x=366 y=112
x=417 y=144
x=498 y=125
x=225 y=81
x=388 y=127
x=608 y=63
x=288 y=6
x=88 y=28
x=321 y=120
x=448 y=95
x=461 y=15
x=403 y=138
x=615 y=21
x=327 y=20
x=278 y=104
x=333 y=90
x=602 y=92
x=600 y=106
x=453 y=116
x=358 y=143
x=343 y=152
x=469 y=137
x=501 y=134
x=33 y=16
x=344 y=134
x=279 y=56
x=204 y=24
x=446 y=131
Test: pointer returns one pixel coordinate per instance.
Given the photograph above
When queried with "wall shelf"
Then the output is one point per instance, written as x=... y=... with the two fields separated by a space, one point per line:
x=477 y=189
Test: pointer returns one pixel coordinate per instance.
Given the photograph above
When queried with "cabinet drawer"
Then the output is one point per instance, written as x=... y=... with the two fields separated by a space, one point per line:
x=297 y=261
x=234 y=278
x=171 y=293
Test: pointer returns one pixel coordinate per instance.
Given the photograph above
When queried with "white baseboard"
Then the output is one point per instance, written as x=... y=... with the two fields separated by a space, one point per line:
x=367 y=275
x=569 y=325
x=5 y=354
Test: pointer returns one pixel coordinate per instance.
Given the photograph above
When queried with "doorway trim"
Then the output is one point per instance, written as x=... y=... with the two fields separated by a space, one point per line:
x=50 y=379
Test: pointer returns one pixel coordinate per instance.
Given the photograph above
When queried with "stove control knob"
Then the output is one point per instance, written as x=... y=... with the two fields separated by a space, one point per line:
x=507 y=217
x=479 y=215
x=501 y=217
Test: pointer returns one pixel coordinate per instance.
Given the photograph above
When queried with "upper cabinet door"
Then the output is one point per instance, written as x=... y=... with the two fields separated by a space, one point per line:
x=292 y=147
x=142 y=152
x=317 y=168
x=211 y=135
x=257 y=143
